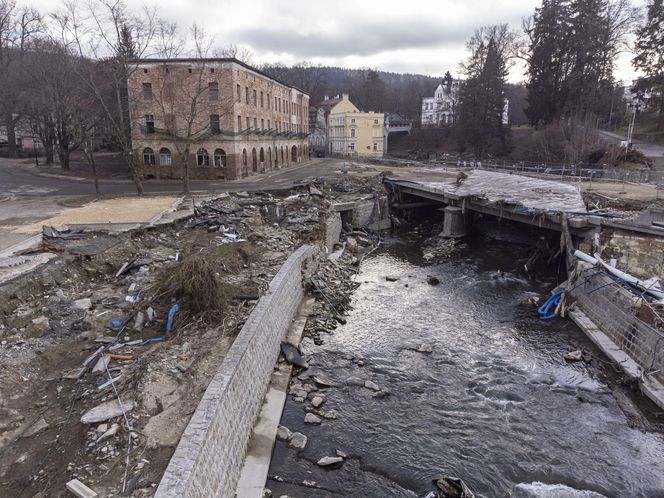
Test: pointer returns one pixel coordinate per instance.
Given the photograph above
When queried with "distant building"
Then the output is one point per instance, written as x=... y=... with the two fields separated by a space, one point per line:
x=26 y=137
x=317 y=130
x=245 y=122
x=355 y=133
x=440 y=109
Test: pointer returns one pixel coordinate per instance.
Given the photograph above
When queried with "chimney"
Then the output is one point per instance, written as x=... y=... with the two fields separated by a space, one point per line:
x=326 y=97
x=344 y=96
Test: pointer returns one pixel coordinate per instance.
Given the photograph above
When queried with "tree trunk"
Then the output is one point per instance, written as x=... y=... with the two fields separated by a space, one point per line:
x=63 y=155
x=185 y=176
x=89 y=155
x=137 y=174
x=11 y=133
x=660 y=119
x=48 y=150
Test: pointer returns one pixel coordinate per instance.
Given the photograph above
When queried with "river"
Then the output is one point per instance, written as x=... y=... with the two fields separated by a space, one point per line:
x=494 y=403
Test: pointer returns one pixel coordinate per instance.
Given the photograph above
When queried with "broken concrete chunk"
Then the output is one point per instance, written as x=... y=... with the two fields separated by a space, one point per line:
x=298 y=441
x=574 y=355
x=328 y=460
x=79 y=489
x=310 y=418
x=109 y=433
x=105 y=411
x=342 y=454
x=39 y=425
x=39 y=326
x=371 y=385
x=101 y=365
x=284 y=433
x=317 y=401
x=83 y=304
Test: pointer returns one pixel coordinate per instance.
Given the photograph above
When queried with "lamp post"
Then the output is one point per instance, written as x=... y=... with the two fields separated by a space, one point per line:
x=630 y=130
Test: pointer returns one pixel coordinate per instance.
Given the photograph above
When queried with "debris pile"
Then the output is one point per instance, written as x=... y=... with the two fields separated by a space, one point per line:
x=107 y=349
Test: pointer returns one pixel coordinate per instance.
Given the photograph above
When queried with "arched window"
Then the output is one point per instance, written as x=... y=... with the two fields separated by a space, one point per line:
x=202 y=158
x=148 y=156
x=165 y=158
x=262 y=155
x=244 y=157
x=254 y=160
x=219 y=158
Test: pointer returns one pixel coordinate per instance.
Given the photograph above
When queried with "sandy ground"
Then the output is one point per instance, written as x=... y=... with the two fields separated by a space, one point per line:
x=120 y=210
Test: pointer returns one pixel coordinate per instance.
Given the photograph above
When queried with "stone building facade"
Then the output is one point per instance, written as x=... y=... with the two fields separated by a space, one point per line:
x=223 y=117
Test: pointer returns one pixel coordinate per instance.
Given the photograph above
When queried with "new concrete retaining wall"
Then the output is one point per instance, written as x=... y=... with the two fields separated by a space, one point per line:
x=208 y=459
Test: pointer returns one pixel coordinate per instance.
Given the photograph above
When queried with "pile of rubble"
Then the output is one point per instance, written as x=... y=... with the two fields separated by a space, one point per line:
x=100 y=376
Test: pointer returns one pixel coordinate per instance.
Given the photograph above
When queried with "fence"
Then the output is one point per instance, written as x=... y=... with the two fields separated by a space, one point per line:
x=560 y=171
x=612 y=308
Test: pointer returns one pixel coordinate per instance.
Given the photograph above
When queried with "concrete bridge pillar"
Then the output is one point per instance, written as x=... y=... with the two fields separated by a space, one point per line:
x=454 y=224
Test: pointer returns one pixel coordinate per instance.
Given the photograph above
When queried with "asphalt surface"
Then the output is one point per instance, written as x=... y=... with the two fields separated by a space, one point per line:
x=19 y=180
x=648 y=149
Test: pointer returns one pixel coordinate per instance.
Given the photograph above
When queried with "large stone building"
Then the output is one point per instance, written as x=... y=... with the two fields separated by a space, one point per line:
x=233 y=120
x=355 y=133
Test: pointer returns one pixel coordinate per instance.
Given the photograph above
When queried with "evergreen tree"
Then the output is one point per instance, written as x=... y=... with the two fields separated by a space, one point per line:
x=480 y=126
x=548 y=63
x=650 y=57
x=447 y=81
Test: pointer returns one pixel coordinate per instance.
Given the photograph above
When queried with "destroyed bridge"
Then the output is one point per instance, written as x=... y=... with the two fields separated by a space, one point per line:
x=542 y=203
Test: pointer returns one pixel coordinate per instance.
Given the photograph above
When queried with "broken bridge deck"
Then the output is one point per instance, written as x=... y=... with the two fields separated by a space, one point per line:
x=520 y=198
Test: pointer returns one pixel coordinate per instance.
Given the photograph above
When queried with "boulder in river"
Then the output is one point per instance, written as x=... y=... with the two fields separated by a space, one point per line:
x=310 y=418
x=369 y=384
x=298 y=441
x=431 y=280
x=327 y=461
x=292 y=355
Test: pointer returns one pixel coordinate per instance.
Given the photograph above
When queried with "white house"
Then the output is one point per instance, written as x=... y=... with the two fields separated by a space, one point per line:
x=439 y=110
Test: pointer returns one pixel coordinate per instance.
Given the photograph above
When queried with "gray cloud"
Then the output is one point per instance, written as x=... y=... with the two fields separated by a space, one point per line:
x=358 y=39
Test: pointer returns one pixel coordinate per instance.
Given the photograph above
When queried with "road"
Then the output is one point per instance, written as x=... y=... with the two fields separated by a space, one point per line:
x=17 y=180
x=648 y=150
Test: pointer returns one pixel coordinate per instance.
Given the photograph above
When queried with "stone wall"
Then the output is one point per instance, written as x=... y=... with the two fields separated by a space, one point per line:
x=640 y=254
x=208 y=459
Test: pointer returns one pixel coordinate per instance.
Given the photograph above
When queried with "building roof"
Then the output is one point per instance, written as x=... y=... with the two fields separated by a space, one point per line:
x=328 y=104
x=190 y=60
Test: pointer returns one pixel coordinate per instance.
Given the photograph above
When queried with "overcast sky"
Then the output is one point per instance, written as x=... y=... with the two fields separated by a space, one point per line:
x=419 y=36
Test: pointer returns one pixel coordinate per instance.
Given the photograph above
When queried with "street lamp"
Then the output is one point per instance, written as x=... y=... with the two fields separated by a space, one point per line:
x=630 y=130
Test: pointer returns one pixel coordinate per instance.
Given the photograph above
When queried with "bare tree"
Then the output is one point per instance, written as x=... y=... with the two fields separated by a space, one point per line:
x=238 y=52
x=18 y=27
x=107 y=32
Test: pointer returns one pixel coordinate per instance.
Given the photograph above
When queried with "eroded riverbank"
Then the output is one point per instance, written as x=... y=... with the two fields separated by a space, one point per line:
x=494 y=403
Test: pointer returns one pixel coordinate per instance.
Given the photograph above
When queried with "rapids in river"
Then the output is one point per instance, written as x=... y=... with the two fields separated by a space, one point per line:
x=494 y=403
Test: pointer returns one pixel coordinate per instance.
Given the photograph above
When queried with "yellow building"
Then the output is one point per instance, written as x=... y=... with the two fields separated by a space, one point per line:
x=355 y=133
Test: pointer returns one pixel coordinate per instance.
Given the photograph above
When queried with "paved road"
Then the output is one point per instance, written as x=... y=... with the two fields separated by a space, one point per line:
x=17 y=180
x=648 y=149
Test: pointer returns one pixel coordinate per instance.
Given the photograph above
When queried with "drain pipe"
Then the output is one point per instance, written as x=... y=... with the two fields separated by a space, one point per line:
x=650 y=286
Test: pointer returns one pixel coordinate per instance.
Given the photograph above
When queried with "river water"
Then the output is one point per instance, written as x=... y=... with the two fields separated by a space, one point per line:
x=495 y=403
